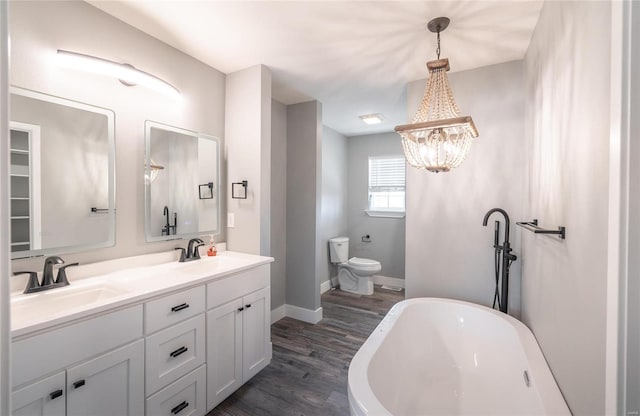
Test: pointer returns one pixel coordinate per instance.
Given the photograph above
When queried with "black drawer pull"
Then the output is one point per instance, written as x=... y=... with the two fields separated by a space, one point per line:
x=78 y=384
x=55 y=394
x=179 y=408
x=247 y=306
x=240 y=309
x=179 y=351
x=180 y=307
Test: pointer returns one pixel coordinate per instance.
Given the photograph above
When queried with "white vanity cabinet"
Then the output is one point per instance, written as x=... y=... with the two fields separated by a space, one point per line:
x=238 y=331
x=177 y=352
x=42 y=398
x=93 y=367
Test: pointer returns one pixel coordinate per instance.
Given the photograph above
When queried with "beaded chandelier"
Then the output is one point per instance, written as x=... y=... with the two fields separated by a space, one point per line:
x=438 y=139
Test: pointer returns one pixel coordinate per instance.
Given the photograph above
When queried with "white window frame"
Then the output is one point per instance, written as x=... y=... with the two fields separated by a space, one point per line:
x=387 y=211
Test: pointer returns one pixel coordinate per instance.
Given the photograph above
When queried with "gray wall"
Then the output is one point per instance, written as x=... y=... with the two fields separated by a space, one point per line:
x=567 y=131
x=38 y=29
x=632 y=341
x=304 y=135
x=248 y=136
x=278 y=203
x=449 y=253
x=387 y=234
x=333 y=216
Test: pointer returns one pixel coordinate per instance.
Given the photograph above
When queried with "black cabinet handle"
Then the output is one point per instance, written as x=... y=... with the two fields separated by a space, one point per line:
x=55 y=394
x=179 y=351
x=78 y=384
x=180 y=307
x=179 y=408
x=247 y=306
x=240 y=309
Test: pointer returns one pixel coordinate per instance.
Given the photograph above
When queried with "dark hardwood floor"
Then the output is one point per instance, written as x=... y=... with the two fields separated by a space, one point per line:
x=308 y=373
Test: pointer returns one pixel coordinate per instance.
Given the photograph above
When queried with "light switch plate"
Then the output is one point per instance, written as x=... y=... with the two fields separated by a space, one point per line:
x=231 y=220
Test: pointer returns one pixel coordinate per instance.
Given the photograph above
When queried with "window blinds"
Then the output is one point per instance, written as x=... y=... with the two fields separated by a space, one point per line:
x=386 y=174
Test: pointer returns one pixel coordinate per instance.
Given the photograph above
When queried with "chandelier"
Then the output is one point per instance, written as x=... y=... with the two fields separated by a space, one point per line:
x=438 y=138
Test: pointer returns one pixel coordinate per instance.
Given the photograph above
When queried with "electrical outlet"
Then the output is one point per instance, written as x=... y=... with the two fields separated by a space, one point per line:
x=231 y=220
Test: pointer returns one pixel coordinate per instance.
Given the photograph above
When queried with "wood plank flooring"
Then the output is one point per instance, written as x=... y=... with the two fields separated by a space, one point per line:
x=308 y=373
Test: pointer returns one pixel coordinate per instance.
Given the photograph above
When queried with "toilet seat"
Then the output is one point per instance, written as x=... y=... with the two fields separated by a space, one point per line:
x=364 y=264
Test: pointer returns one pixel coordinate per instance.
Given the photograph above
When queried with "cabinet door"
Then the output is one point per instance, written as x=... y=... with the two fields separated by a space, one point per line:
x=256 y=333
x=111 y=384
x=43 y=398
x=224 y=351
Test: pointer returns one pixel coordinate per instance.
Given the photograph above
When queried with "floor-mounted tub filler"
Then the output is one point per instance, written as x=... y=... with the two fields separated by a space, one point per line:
x=434 y=356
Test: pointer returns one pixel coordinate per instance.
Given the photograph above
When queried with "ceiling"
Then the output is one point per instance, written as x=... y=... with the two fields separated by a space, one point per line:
x=355 y=57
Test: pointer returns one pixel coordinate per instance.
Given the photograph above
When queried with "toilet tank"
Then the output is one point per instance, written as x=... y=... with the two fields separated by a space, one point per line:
x=339 y=249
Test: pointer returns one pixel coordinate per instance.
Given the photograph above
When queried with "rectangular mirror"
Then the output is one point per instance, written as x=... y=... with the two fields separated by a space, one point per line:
x=182 y=192
x=62 y=174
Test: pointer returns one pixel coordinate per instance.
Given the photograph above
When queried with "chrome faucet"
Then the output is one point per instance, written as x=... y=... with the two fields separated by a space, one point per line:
x=191 y=252
x=34 y=285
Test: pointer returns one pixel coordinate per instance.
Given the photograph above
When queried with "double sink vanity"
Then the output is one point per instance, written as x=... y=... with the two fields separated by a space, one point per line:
x=145 y=335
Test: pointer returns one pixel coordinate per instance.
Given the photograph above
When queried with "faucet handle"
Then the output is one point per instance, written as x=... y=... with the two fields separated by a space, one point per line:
x=62 y=274
x=182 y=254
x=33 y=283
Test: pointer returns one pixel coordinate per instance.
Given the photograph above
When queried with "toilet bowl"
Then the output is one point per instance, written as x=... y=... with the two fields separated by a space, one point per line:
x=354 y=274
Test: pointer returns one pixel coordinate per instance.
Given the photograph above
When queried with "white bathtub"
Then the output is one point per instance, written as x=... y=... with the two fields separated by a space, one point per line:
x=434 y=356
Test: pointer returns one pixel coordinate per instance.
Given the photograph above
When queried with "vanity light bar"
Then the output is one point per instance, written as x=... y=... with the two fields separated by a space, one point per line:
x=125 y=73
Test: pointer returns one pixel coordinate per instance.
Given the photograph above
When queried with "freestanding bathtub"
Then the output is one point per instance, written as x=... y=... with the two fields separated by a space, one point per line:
x=433 y=356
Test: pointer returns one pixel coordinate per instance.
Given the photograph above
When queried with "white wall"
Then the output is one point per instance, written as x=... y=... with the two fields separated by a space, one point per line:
x=567 y=131
x=333 y=212
x=38 y=29
x=387 y=234
x=448 y=251
x=278 y=203
x=304 y=135
x=248 y=138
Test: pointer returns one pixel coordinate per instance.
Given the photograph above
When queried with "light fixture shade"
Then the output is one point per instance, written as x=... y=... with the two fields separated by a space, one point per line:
x=438 y=139
x=127 y=74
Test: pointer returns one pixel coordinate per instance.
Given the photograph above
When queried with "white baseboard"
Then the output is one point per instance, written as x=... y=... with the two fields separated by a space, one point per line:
x=384 y=280
x=296 y=312
x=325 y=286
x=305 y=315
x=278 y=313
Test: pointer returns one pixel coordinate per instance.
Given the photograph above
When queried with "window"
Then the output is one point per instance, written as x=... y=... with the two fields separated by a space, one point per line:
x=386 y=184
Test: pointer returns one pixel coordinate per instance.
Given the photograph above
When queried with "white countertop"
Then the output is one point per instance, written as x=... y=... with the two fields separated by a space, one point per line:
x=116 y=289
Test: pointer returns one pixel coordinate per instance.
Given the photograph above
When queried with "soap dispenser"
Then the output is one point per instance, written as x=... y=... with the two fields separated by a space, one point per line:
x=212 y=248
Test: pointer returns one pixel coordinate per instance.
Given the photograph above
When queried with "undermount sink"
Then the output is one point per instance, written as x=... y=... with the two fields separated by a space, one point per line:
x=55 y=301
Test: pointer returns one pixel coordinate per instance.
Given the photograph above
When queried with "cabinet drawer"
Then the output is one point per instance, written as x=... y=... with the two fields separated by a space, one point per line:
x=171 y=309
x=173 y=352
x=237 y=285
x=185 y=397
x=59 y=348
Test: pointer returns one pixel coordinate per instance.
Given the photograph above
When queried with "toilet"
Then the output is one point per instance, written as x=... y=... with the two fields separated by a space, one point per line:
x=353 y=273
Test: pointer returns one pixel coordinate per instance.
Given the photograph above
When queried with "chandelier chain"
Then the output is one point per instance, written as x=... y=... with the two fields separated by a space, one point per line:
x=438 y=48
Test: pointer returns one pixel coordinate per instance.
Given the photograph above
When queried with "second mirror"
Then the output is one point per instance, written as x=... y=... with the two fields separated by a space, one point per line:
x=182 y=173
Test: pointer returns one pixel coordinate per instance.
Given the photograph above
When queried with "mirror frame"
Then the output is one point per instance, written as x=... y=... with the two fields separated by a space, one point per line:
x=148 y=125
x=111 y=173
